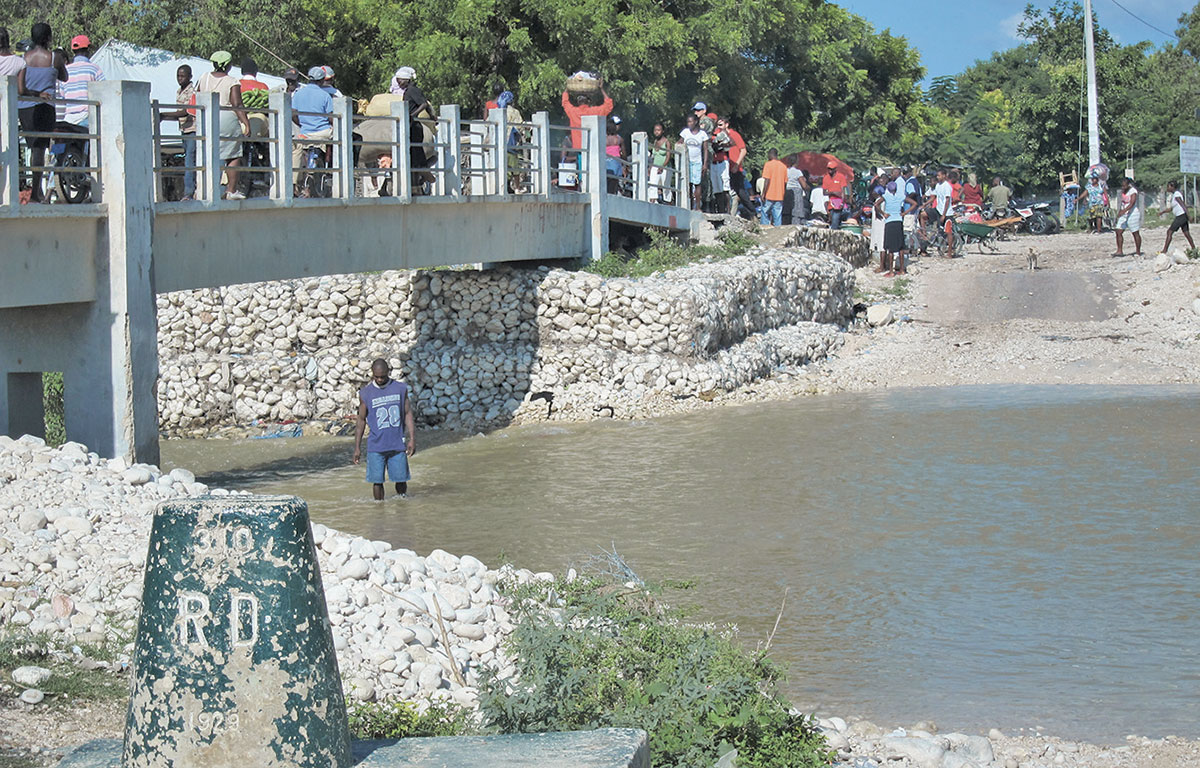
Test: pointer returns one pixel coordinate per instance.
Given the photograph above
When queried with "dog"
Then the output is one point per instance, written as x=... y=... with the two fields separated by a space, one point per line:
x=1031 y=259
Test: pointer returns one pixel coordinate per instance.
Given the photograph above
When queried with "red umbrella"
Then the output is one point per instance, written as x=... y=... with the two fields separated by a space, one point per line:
x=817 y=164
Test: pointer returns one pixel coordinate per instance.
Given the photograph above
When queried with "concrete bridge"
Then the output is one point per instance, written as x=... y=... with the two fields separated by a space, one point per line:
x=79 y=281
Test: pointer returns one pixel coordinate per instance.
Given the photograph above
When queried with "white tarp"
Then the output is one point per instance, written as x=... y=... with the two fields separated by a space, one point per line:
x=120 y=60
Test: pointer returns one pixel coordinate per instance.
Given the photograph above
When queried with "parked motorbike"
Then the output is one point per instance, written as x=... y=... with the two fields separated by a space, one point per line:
x=1037 y=218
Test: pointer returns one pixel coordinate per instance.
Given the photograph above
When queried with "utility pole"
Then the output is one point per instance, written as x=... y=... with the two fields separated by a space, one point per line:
x=1089 y=40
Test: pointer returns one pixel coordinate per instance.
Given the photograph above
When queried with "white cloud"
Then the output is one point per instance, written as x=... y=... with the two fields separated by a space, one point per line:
x=1009 y=26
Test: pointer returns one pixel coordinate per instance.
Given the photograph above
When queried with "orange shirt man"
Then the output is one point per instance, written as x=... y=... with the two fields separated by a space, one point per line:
x=775 y=174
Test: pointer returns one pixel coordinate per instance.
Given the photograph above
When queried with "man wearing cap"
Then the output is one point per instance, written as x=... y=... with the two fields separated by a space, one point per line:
x=311 y=107
x=80 y=72
x=291 y=81
x=705 y=119
x=418 y=107
x=328 y=85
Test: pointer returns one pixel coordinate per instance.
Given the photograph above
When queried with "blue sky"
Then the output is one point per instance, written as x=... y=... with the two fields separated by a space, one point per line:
x=951 y=34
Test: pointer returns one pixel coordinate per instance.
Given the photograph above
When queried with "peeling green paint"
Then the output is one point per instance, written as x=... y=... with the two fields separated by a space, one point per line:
x=234 y=662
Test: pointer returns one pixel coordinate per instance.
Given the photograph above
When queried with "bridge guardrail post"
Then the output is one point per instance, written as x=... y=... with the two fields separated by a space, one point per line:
x=683 y=192
x=343 y=109
x=477 y=160
x=122 y=365
x=451 y=154
x=641 y=167
x=597 y=183
x=212 y=145
x=281 y=150
x=499 y=120
x=402 y=153
x=10 y=155
x=541 y=152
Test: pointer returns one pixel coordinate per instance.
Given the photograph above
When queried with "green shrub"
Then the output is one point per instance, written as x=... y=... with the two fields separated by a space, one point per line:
x=593 y=654
x=399 y=719
x=665 y=253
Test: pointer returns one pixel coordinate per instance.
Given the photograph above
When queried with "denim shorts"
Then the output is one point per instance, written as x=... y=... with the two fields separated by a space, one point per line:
x=395 y=461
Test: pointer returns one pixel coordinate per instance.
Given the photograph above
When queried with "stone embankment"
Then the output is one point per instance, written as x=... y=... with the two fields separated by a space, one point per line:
x=476 y=345
x=852 y=247
x=73 y=533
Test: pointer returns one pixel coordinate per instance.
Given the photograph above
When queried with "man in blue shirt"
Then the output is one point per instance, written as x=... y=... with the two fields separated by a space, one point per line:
x=385 y=405
x=311 y=107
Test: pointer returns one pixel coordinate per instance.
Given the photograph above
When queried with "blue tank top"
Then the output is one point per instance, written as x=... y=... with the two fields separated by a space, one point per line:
x=385 y=415
x=38 y=79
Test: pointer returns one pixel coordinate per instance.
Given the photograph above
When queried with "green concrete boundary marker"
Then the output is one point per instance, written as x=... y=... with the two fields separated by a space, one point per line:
x=605 y=748
x=234 y=662
x=234 y=667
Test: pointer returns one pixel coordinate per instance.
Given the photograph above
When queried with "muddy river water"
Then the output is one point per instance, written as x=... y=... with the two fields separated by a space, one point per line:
x=980 y=556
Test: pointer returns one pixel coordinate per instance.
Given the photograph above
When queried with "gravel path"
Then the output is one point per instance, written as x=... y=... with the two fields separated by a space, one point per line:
x=1083 y=317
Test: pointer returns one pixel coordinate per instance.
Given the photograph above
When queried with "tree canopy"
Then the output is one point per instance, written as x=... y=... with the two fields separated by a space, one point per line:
x=1020 y=114
x=793 y=74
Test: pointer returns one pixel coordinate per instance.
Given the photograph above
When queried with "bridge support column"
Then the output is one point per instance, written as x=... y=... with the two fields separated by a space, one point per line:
x=119 y=349
x=597 y=182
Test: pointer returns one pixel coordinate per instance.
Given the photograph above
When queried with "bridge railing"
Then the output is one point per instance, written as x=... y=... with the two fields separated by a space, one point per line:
x=570 y=166
x=69 y=168
x=637 y=177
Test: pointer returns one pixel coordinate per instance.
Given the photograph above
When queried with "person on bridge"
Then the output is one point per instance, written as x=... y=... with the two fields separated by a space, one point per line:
x=37 y=83
x=386 y=405
x=185 y=95
x=311 y=107
x=697 y=145
x=419 y=133
x=233 y=121
x=581 y=107
x=80 y=72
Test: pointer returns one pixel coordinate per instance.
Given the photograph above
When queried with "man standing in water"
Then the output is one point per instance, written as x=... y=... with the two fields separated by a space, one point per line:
x=385 y=404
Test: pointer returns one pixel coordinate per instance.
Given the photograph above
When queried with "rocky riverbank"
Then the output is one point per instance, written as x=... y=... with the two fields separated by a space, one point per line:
x=477 y=346
x=73 y=533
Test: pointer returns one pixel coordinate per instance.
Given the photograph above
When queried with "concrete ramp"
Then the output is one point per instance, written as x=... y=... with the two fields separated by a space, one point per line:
x=973 y=299
x=604 y=748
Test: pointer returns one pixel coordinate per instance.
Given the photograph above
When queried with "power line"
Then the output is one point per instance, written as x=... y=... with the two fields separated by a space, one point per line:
x=1148 y=24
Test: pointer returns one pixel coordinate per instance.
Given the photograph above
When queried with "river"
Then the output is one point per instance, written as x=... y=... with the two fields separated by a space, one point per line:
x=981 y=556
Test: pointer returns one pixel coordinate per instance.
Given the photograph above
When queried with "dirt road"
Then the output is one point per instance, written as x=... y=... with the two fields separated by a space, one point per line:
x=1082 y=317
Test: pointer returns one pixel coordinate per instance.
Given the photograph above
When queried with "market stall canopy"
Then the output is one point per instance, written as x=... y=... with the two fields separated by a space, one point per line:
x=817 y=163
x=120 y=60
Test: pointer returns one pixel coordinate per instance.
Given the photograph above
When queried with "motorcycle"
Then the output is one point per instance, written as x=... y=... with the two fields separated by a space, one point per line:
x=1037 y=218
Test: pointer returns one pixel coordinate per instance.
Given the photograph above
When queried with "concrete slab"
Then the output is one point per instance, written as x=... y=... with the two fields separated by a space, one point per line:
x=604 y=748
x=963 y=297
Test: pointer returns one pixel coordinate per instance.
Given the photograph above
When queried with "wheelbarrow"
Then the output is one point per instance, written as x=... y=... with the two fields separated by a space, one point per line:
x=968 y=232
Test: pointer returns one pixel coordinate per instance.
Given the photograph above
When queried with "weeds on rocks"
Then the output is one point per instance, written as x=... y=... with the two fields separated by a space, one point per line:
x=665 y=253
x=78 y=674
x=597 y=653
x=401 y=719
